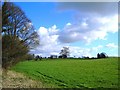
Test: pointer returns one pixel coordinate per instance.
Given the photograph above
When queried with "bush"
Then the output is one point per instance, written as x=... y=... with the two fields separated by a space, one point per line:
x=30 y=57
x=12 y=50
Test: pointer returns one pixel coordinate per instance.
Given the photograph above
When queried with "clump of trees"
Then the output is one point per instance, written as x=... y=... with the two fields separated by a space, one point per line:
x=18 y=35
x=64 y=52
x=102 y=55
x=38 y=58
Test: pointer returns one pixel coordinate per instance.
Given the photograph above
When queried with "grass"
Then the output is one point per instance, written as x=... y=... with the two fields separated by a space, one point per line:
x=72 y=73
x=12 y=79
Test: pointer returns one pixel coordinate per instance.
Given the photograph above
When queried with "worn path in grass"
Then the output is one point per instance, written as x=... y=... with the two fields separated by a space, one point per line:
x=73 y=73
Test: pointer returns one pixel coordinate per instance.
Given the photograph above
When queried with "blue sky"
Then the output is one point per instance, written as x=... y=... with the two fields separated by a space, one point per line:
x=86 y=28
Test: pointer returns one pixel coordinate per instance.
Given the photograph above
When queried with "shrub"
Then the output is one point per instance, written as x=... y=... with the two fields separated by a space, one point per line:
x=12 y=50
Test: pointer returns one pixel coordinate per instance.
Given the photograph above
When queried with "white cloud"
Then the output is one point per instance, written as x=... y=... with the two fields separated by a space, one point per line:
x=111 y=45
x=43 y=31
x=53 y=30
x=68 y=24
x=89 y=29
x=49 y=43
x=93 y=20
x=45 y=35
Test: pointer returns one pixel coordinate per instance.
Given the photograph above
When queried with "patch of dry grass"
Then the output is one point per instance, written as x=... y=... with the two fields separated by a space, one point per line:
x=12 y=79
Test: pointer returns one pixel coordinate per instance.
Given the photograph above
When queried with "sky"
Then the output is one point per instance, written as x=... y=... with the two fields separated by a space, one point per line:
x=87 y=28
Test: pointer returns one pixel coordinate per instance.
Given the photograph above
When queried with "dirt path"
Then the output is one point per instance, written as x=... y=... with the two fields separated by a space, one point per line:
x=17 y=80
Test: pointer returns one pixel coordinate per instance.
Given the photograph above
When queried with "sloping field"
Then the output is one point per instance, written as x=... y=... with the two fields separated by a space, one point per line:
x=72 y=73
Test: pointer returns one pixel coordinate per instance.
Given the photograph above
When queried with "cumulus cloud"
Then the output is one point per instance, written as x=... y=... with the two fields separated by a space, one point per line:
x=45 y=36
x=53 y=30
x=93 y=20
x=89 y=29
x=49 y=43
x=111 y=45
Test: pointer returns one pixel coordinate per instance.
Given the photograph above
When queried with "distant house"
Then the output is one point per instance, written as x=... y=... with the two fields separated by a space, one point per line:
x=53 y=56
x=63 y=56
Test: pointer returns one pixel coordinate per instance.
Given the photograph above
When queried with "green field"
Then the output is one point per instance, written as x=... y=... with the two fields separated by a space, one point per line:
x=72 y=73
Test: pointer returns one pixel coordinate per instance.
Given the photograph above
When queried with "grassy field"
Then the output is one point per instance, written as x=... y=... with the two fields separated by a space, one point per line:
x=72 y=73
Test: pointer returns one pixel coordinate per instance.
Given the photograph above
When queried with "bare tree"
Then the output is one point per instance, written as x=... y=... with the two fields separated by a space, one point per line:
x=15 y=23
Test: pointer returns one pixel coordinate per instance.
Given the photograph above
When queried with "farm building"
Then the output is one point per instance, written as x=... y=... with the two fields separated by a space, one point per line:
x=53 y=56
